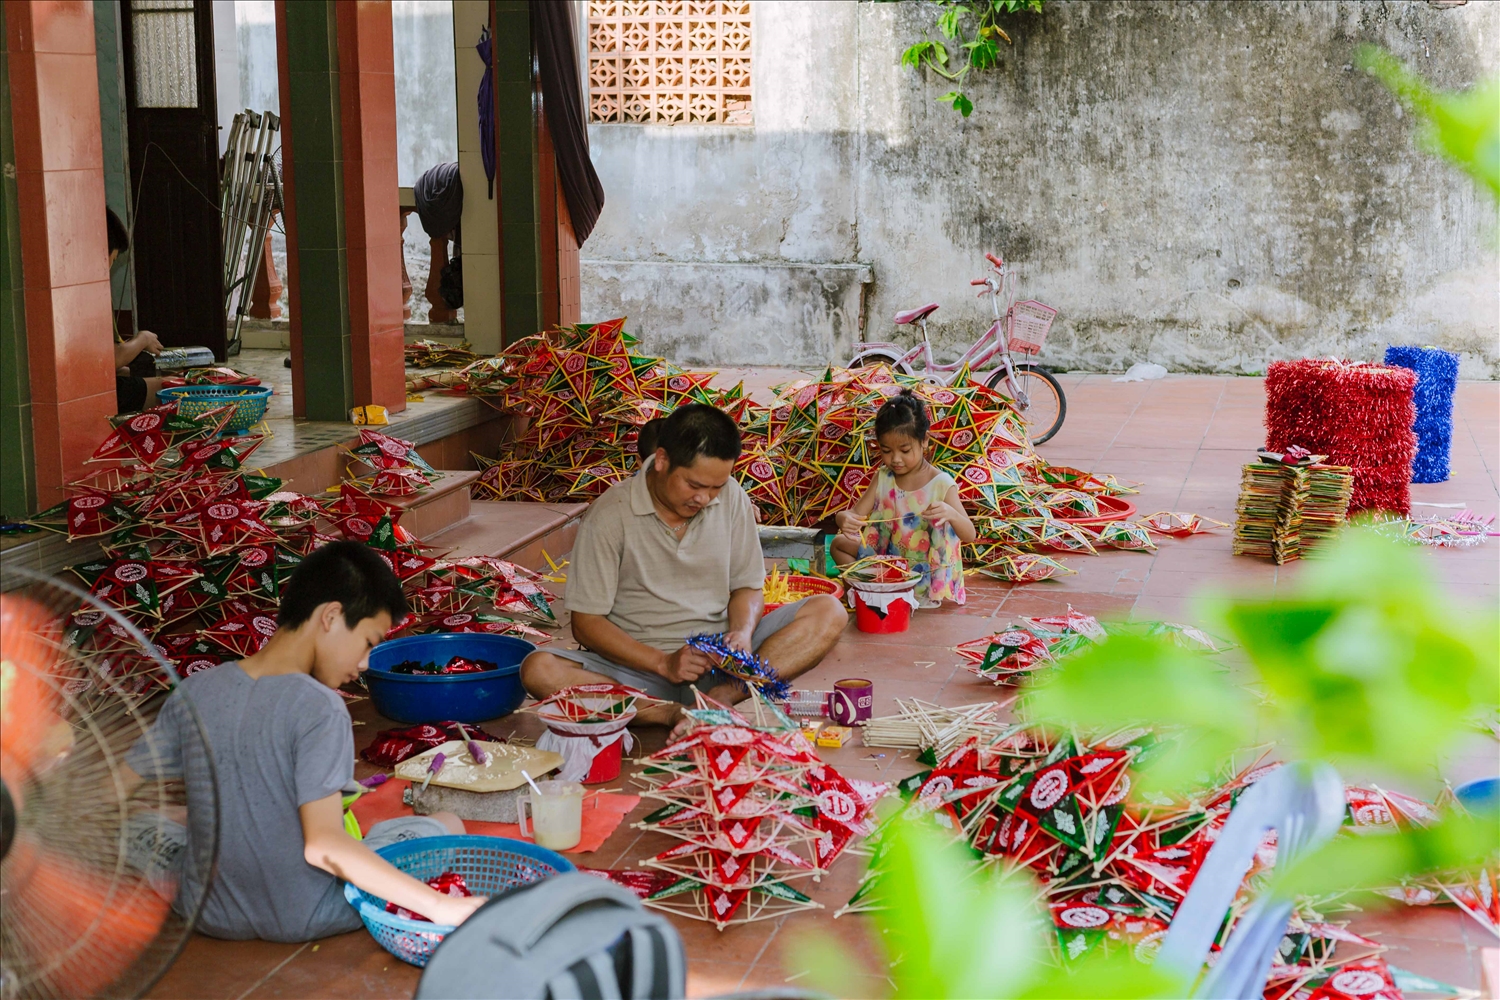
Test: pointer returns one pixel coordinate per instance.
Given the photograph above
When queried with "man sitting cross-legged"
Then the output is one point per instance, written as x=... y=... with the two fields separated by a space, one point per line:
x=671 y=554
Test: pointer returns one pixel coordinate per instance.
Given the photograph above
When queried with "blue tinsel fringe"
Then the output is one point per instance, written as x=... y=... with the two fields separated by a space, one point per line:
x=1437 y=377
x=752 y=669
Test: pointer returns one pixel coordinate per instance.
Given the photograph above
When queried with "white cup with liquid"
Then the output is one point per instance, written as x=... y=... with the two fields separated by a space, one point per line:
x=556 y=815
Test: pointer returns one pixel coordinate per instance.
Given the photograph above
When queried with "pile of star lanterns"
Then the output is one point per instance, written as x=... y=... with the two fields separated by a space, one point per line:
x=585 y=392
x=1113 y=867
x=197 y=546
x=1030 y=644
x=752 y=810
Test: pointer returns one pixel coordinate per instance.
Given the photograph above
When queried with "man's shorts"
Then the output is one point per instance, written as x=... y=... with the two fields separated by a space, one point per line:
x=658 y=686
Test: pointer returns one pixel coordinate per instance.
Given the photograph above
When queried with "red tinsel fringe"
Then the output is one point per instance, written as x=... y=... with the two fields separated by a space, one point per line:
x=1359 y=415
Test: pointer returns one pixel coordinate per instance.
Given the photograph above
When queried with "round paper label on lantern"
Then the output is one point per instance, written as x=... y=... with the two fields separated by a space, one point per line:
x=1049 y=788
x=1084 y=916
x=1357 y=982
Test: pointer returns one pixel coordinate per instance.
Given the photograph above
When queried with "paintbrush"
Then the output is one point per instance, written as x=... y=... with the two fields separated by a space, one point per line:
x=433 y=768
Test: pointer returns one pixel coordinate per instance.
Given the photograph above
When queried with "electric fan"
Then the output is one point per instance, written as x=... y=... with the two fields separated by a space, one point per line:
x=108 y=832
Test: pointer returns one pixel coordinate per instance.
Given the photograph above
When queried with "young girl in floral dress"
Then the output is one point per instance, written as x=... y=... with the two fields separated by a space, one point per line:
x=911 y=509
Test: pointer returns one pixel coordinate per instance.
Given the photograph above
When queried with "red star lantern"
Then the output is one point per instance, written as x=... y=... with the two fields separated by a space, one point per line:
x=220 y=525
x=243 y=634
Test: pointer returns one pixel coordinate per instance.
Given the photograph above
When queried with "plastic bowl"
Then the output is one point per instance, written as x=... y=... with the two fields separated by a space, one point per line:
x=807 y=586
x=489 y=865
x=250 y=402
x=461 y=697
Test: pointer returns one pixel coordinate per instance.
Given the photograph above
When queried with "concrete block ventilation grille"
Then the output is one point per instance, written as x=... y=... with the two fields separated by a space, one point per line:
x=670 y=62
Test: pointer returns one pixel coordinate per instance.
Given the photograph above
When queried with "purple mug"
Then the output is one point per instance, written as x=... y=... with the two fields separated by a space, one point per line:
x=852 y=701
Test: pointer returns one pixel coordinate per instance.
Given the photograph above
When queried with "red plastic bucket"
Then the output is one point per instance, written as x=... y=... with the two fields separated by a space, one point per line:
x=896 y=619
x=606 y=766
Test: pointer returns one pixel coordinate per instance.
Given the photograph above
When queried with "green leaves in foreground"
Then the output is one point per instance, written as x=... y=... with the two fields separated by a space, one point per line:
x=1376 y=860
x=952 y=921
x=1462 y=127
x=1364 y=665
x=1368 y=664
x=952 y=928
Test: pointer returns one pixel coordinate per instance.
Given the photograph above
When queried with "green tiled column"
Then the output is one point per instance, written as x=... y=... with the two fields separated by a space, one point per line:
x=516 y=171
x=112 y=130
x=17 y=461
x=318 y=200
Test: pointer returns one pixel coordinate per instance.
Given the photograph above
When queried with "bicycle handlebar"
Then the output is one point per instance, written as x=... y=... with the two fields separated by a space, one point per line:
x=980 y=281
x=994 y=260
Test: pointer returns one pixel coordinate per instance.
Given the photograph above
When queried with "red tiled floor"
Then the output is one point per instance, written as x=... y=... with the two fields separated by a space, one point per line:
x=212 y=969
x=1184 y=438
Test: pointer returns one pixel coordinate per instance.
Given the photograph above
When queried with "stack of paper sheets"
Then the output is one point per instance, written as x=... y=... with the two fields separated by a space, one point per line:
x=1285 y=509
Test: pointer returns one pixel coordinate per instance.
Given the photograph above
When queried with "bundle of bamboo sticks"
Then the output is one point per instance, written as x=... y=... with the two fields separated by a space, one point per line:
x=922 y=725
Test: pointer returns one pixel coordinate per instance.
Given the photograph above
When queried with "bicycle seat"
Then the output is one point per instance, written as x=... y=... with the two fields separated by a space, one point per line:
x=914 y=315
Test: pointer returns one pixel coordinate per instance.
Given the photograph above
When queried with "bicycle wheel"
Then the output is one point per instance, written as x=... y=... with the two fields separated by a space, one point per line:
x=870 y=361
x=1046 y=404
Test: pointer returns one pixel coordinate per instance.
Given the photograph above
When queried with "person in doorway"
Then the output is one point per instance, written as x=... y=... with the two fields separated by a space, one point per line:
x=136 y=381
x=670 y=554
x=283 y=751
x=439 y=194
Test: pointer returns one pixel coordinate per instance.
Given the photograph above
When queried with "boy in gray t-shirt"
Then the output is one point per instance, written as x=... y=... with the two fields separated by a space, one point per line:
x=283 y=754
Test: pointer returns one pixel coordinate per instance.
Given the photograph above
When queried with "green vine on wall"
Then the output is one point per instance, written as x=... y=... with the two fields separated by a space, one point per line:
x=974 y=26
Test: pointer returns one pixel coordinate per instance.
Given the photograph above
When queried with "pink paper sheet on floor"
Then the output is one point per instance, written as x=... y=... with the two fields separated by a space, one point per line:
x=602 y=813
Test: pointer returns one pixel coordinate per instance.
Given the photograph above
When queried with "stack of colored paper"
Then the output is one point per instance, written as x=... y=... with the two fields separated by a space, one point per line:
x=1285 y=509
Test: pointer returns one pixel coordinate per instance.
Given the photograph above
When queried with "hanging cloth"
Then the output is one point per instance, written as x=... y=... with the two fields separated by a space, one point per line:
x=486 y=50
x=567 y=118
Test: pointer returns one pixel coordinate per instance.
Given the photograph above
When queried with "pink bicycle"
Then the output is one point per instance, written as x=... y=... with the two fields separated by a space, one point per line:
x=1021 y=328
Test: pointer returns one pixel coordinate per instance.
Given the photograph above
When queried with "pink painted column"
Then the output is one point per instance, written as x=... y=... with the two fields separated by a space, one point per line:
x=64 y=255
x=372 y=204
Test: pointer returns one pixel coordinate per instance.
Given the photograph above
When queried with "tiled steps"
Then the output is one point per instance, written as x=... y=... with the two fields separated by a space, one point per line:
x=514 y=530
x=436 y=509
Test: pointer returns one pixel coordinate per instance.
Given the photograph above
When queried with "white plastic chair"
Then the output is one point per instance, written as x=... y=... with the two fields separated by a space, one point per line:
x=1304 y=804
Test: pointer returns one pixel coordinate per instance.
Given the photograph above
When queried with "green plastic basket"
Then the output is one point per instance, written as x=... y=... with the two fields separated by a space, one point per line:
x=250 y=402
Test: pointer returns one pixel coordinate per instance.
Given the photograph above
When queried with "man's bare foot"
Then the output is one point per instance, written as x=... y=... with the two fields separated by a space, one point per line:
x=681 y=727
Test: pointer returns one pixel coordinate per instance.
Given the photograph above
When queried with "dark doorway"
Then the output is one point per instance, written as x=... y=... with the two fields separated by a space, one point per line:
x=172 y=119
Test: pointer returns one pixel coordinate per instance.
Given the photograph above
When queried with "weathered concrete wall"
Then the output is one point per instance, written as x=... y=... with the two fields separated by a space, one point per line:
x=1210 y=186
x=739 y=314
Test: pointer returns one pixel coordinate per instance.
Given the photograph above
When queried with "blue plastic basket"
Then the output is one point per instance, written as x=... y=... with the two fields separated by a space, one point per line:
x=250 y=402
x=474 y=697
x=489 y=865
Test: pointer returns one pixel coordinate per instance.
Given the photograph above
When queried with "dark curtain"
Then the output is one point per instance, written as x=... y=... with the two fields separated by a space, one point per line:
x=486 y=50
x=567 y=118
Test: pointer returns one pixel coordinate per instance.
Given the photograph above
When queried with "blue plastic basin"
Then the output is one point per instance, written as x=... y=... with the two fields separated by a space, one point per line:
x=1481 y=796
x=461 y=697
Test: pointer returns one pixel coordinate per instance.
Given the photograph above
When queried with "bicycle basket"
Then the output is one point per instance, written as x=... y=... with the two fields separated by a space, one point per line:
x=1027 y=326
